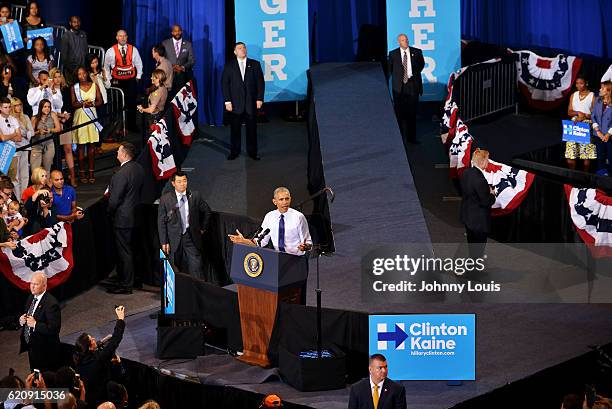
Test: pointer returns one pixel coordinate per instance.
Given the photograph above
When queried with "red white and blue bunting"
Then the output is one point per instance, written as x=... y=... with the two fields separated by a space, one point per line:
x=591 y=213
x=162 y=158
x=48 y=251
x=184 y=106
x=545 y=82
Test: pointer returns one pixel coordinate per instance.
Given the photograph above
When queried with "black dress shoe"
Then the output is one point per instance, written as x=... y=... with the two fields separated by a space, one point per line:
x=232 y=156
x=254 y=157
x=119 y=290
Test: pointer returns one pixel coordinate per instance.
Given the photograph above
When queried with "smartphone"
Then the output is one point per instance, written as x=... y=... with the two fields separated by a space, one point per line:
x=36 y=374
x=591 y=395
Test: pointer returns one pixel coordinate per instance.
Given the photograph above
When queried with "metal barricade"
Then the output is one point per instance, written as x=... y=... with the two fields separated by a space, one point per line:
x=58 y=32
x=116 y=103
x=18 y=12
x=98 y=52
x=486 y=89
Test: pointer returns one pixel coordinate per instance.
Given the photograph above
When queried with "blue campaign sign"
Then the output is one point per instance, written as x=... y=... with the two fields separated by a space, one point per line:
x=7 y=151
x=46 y=33
x=426 y=347
x=434 y=27
x=576 y=132
x=11 y=33
x=276 y=34
x=169 y=287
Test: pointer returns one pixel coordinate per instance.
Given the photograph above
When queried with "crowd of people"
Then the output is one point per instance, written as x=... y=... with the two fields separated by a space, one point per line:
x=51 y=113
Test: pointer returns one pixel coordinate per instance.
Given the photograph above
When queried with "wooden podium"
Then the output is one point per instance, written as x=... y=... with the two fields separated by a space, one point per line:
x=264 y=278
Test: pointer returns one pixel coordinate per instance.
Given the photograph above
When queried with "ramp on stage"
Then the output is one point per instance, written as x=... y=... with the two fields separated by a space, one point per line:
x=364 y=161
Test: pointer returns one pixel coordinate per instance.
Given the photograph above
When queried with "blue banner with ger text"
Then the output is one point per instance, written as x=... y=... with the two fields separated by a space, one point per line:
x=434 y=27
x=426 y=347
x=276 y=34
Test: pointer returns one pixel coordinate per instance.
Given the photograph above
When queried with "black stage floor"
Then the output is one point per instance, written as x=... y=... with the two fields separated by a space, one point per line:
x=514 y=340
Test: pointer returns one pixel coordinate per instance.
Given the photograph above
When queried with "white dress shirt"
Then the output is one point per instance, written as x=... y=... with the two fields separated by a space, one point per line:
x=109 y=61
x=242 y=64
x=38 y=298
x=296 y=230
x=409 y=65
x=380 y=385
x=178 y=202
x=37 y=94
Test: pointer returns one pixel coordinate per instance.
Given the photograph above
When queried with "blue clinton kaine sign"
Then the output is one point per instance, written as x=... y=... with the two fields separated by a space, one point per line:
x=426 y=347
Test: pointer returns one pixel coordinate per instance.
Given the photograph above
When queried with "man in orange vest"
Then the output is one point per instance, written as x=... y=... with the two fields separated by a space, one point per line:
x=123 y=66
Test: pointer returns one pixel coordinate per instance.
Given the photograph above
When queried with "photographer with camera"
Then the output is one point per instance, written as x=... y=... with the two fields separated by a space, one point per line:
x=93 y=359
x=40 y=211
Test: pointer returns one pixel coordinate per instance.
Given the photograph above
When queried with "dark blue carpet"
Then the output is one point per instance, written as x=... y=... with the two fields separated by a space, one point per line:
x=365 y=163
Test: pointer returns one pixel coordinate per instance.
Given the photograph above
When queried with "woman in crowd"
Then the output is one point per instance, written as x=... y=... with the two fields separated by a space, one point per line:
x=6 y=82
x=39 y=60
x=157 y=99
x=5 y=14
x=93 y=362
x=58 y=84
x=27 y=132
x=33 y=20
x=579 y=110
x=98 y=77
x=45 y=123
x=85 y=96
x=602 y=128
x=40 y=179
x=5 y=58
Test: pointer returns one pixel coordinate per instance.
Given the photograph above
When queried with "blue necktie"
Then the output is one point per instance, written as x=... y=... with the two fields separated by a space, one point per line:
x=183 y=210
x=281 y=233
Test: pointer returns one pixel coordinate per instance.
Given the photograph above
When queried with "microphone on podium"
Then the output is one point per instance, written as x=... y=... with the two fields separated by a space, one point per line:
x=261 y=236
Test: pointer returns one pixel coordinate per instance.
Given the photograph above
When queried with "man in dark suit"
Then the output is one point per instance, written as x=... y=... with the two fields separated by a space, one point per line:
x=478 y=197
x=182 y=219
x=180 y=54
x=124 y=196
x=243 y=89
x=405 y=66
x=377 y=391
x=41 y=326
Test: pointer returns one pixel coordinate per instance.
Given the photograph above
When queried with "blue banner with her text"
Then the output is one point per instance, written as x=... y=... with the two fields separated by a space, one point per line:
x=276 y=34
x=426 y=347
x=434 y=26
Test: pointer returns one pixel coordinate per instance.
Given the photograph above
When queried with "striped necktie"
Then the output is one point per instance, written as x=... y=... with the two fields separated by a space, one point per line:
x=27 y=330
x=405 y=64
